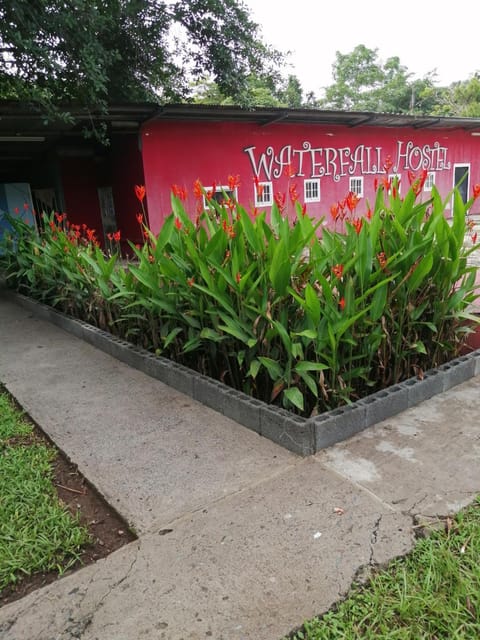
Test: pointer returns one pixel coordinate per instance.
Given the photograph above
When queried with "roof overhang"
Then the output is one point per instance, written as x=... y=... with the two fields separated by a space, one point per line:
x=266 y=116
x=27 y=136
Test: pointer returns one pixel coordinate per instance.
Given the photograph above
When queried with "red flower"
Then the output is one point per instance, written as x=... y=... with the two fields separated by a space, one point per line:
x=386 y=183
x=304 y=209
x=140 y=218
x=140 y=192
x=90 y=234
x=191 y=282
x=110 y=236
x=382 y=259
x=16 y=211
x=293 y=193
x=179 y=192
x=211 y=192
x=341 y=304
x=116 y=236
x=417 y=182
x=357 y=223
x=238 y=277
x=178 y=224
x=352 y=200
x=334 y=211
x=230 y=204
x=26 y=206
x=369 y=214
x=338 y=270
x=474 y=238
x=280 y=200
x=476 y=190
x=197 y=189
x=388 y=164
x=375 y=184
x=259 y=187
x=290 y=171
x=233 y=182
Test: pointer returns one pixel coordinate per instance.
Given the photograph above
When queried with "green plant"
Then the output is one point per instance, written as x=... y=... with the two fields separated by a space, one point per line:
x=37 y=533
x=282 y=308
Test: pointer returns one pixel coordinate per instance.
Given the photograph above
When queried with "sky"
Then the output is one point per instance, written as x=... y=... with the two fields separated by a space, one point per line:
x=425 y=35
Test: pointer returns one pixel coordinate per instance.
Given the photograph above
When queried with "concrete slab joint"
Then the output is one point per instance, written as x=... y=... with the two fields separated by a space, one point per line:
x=299 y=435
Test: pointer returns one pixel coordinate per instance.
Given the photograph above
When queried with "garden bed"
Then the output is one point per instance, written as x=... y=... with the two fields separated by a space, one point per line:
x=107 y=531
x=305 y=334
x=304 y=436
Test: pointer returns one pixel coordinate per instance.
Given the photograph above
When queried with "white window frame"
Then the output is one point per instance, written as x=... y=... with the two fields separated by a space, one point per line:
x=307 y=186
x=361 y=182
x=430 y=181
x=266 y=198
x=220 y=189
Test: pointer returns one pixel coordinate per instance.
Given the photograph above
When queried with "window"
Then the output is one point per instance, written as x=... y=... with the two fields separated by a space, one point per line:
x=430 y=181
x=221 y=195
x=356 y=185
x=312 y=190
x=263 y=194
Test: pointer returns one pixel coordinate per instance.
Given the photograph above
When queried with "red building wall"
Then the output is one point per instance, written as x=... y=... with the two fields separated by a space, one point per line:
x=119 y=167
x=79 y=184
x=287 y=154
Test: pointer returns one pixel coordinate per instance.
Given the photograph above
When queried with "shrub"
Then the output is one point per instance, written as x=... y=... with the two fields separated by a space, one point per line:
x=288 y=311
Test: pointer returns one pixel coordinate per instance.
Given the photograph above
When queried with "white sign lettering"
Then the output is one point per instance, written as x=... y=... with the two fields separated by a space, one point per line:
x=317 y=162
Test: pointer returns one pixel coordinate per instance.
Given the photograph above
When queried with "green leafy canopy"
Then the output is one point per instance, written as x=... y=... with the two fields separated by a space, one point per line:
x=94 y=53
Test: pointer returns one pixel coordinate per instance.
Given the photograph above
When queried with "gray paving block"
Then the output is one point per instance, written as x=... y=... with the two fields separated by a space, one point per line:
x=423 y=389
x=243 y=409
x=209 y=392
x=457 y=371
x=337 y=425
x=291 y=431
x=180 y=378
x=385 y=404
x=476 y=357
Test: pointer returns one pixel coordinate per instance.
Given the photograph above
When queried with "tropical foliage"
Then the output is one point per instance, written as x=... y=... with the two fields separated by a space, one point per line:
x=280 y=306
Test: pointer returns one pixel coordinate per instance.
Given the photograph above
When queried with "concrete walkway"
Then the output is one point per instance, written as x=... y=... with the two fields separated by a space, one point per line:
x=238 y=538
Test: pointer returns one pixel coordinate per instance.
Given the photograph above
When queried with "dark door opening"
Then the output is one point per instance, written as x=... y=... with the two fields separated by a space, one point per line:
x=461 y=180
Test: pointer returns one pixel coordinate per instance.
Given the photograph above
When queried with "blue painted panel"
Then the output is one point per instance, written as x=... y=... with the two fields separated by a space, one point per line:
x=15 y=199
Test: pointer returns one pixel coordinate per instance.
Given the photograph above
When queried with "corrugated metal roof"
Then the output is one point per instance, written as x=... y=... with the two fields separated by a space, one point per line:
x=267 y=115
x=26 y=136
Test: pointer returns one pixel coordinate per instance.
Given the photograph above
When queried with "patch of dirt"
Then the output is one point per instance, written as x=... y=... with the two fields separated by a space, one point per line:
x=107 y=528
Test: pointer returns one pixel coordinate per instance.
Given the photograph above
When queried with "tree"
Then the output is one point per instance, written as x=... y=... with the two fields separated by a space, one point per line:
x=292 y=93
x=364 y=83
x=95 y=52
x=260 y=91
x=461 y=98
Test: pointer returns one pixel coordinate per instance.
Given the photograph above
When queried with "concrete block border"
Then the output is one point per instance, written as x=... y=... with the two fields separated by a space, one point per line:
x=303 y=436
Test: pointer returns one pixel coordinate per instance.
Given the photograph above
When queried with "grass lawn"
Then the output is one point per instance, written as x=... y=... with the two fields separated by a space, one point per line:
x=431 y=594
x=37 y=532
